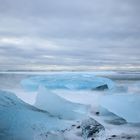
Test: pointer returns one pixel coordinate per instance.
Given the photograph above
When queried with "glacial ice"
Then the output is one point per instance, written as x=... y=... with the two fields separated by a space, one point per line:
x=91 y=128
x=126 y=106
x=66 y=81
x=21 y=121
x=58 y=106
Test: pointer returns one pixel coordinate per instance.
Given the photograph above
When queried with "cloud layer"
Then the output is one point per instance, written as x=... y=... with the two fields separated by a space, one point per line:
x=93 y=33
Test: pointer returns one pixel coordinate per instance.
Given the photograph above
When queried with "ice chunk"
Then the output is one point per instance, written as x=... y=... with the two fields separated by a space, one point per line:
x=59 y=106
x=67 y=81
x=91 y=129
x=21 y=121
x=126 y=106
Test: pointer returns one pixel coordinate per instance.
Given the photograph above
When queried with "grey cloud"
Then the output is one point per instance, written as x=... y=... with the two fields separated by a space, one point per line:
x=94 y=32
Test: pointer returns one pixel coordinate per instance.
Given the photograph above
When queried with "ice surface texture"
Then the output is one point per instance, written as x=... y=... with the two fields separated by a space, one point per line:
x=126 y=106
x=21 y=121
x=91 y=128
x=66 y=81
x=58 y=106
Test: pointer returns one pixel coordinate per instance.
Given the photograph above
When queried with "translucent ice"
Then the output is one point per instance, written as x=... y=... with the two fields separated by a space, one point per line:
x=21 y=121
x=59 y=106
x=126 y=106
x=67 y=81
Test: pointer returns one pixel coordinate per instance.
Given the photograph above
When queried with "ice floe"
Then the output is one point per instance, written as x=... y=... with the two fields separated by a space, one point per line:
x=58 y=106
x=126 y=106
x=21 y=121
x=70 y=81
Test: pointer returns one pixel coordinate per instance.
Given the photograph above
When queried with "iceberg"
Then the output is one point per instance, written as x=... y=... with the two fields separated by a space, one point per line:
x=21 y=121
x=58 y=106
x=67 y=81
x=126 y=106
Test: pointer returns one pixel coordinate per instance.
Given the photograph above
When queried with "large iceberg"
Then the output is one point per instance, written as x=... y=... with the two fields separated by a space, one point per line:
x=21 y=121
x=126 y=106
x=67 y=81
x=58 y=106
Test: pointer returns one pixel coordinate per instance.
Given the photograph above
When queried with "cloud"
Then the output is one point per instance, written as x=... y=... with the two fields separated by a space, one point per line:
x=70 y=33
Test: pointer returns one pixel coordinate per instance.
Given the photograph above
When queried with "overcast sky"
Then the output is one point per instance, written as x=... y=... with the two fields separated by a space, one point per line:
x=84 y=33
